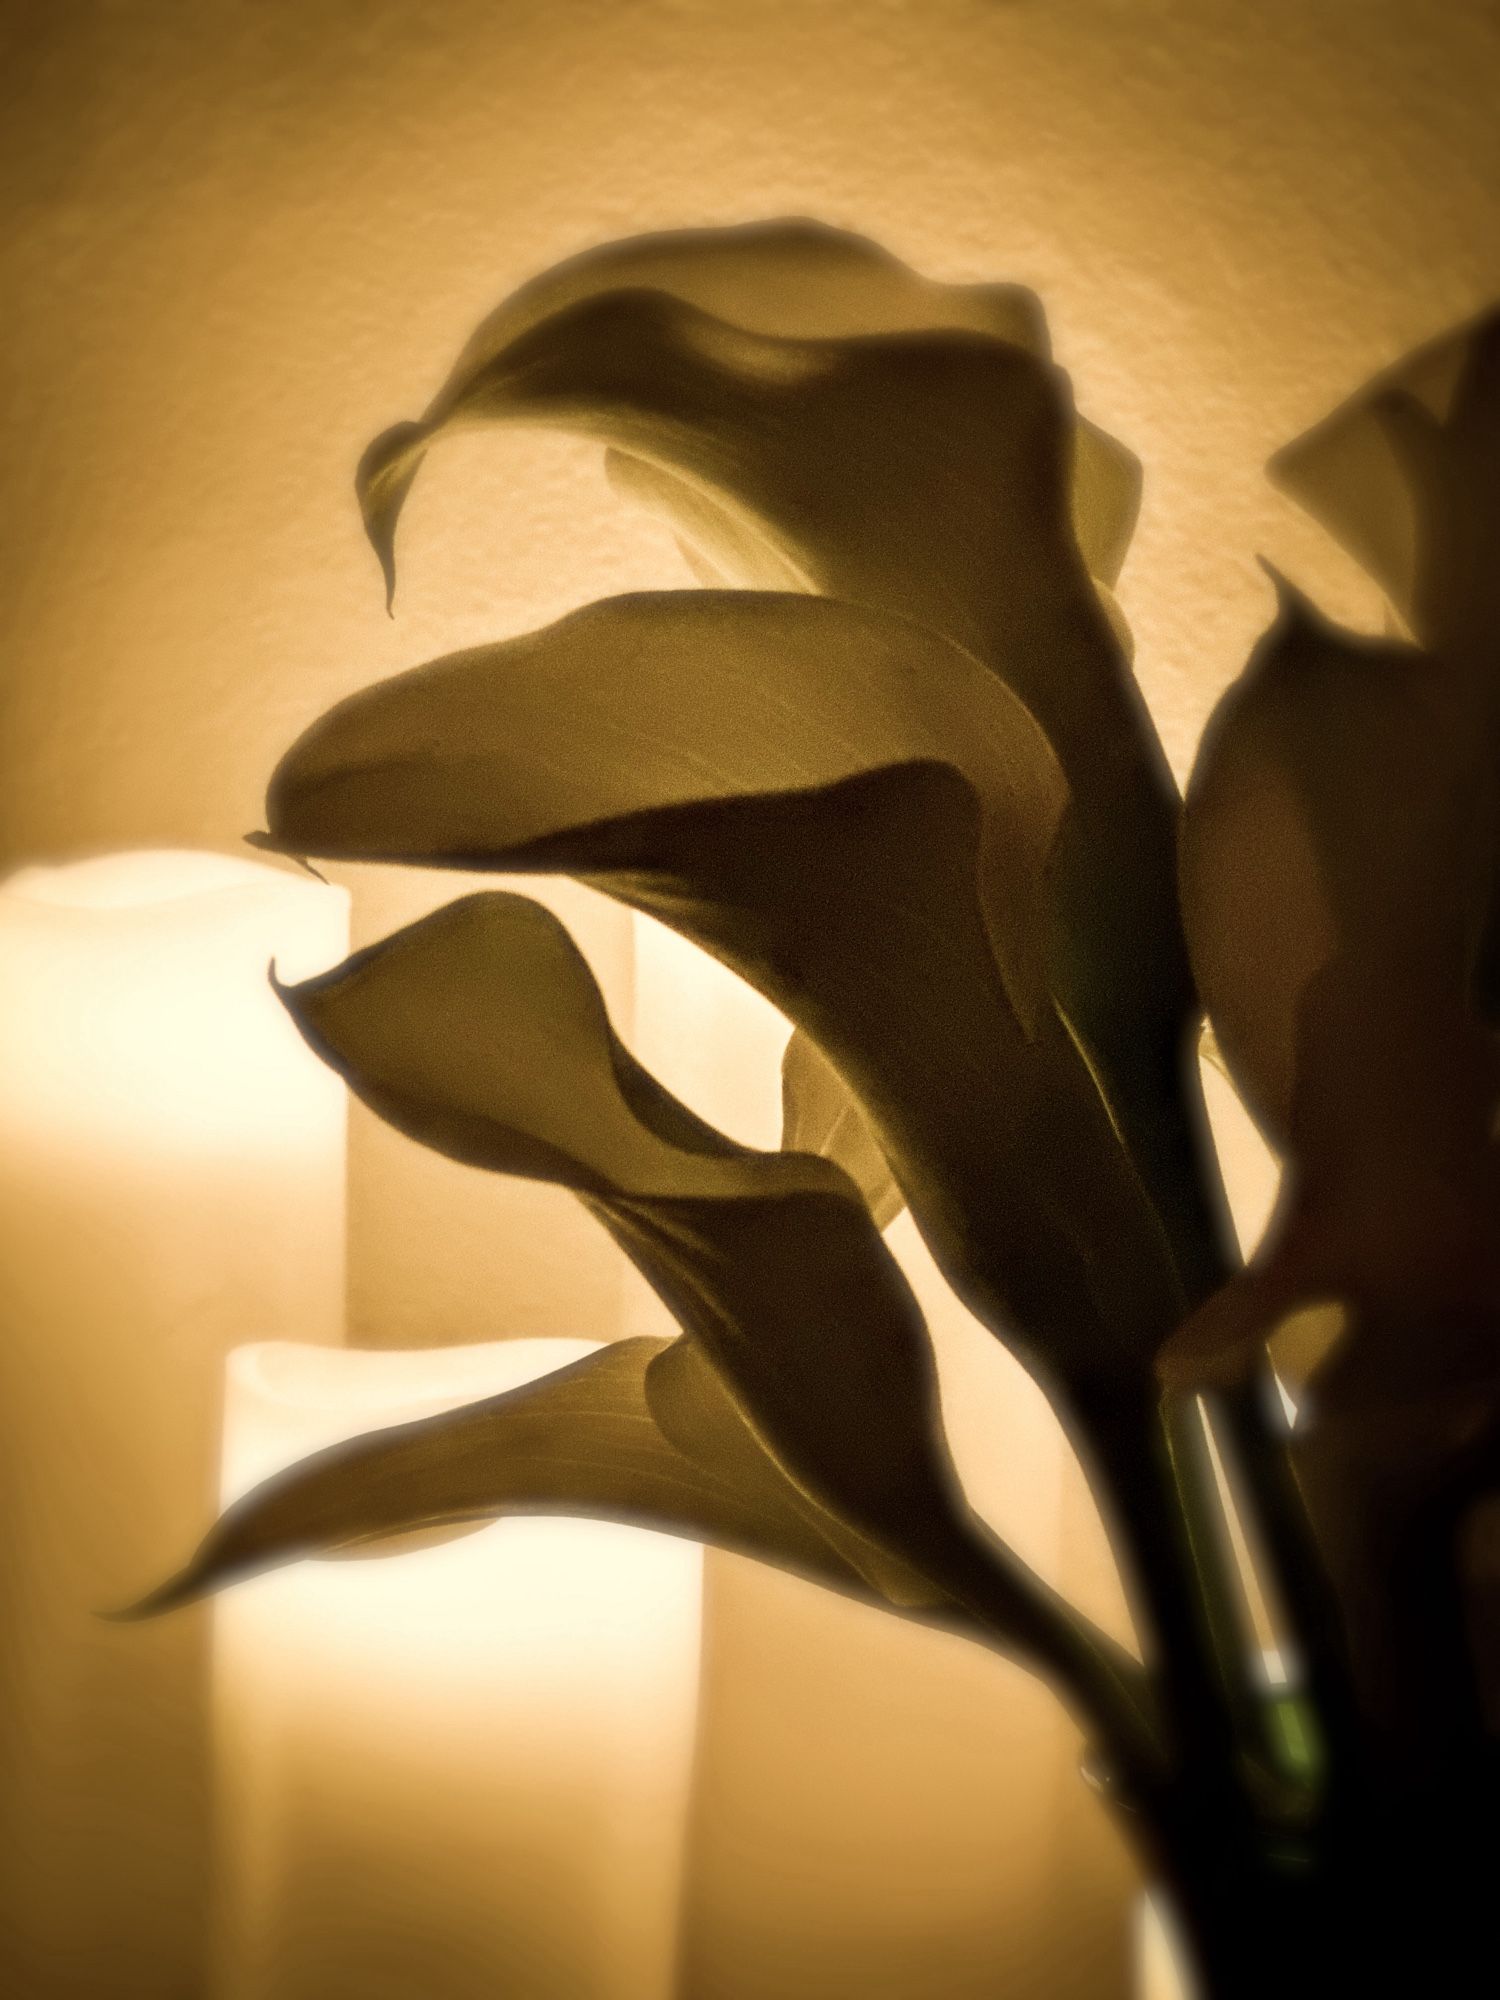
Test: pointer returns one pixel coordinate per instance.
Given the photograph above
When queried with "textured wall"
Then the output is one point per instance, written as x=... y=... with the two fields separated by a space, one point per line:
x=242 y=234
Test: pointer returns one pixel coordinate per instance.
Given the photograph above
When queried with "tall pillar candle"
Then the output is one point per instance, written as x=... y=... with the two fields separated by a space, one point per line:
x=458 y=1771
x=171 y=1184
x=817 y=1866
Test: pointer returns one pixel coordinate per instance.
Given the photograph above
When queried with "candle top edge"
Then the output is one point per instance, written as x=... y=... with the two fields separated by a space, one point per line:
x=141 y=878
x=387 y=1383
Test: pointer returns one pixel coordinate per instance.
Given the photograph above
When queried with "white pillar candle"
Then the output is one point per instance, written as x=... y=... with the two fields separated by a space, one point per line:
x=171 y=1184
x=457 y=1772
x=972 y=1821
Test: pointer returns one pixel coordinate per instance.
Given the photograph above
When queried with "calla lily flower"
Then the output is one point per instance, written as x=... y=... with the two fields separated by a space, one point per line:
x=813 y=416
x=1341 y=890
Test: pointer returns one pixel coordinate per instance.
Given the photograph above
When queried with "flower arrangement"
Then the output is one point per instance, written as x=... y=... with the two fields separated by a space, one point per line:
x=890 y=765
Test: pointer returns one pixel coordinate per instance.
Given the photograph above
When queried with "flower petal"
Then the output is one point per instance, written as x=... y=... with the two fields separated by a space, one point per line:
x=859 y=820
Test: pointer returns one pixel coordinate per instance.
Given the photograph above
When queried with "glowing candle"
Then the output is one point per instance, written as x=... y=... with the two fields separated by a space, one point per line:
x=972 y=1820
x=171 y=1184
x=461 y=1771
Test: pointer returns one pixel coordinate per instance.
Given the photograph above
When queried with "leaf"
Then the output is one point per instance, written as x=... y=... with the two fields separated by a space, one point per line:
x=856 y=818
x=820 y=1115
x=580 y=1441
x=1339 y=844
x=923 y=474
x=792 y=279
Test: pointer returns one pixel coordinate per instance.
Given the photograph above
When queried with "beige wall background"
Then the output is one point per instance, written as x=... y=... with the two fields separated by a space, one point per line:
x=242 y=235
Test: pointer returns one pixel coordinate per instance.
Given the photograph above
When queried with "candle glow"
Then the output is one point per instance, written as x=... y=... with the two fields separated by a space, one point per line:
x=171 y=1184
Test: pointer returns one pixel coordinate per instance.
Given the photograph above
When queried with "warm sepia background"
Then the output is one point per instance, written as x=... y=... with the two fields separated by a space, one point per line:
x=241 y=235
